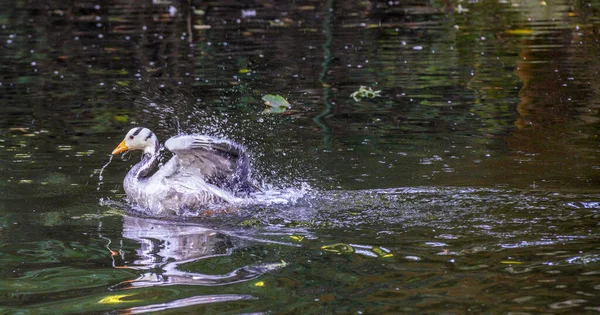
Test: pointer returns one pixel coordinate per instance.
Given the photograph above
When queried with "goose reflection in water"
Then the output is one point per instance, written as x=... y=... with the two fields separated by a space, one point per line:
x=167 y=245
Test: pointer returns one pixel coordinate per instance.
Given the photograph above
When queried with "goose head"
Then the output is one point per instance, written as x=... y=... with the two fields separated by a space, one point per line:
x=139 y=138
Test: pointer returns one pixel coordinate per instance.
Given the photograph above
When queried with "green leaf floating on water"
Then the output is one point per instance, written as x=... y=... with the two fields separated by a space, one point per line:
x=276 y=104
x=365 y=92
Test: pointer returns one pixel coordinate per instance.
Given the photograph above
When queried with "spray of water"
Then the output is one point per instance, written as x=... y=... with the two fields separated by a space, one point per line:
x=100 y=177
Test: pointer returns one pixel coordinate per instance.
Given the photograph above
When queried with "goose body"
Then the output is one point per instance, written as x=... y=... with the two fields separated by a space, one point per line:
x=203 y=170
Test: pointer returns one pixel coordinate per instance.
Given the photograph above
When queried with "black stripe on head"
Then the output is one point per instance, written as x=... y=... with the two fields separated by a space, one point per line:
x=137 y=131
x=149 y=136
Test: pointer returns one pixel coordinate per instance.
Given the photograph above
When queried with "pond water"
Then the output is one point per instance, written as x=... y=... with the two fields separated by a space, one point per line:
x=471 y=184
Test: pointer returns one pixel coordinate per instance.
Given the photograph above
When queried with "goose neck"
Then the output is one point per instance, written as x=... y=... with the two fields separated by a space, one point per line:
x=146 y=165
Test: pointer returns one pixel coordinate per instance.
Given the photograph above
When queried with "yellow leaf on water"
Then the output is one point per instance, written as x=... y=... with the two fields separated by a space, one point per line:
x=121 y=118
x=260 y=284
x=382 y=252
x=115 y=299
x=511 y=262
x=338 y=248
x=297 y=238
x=519 y=32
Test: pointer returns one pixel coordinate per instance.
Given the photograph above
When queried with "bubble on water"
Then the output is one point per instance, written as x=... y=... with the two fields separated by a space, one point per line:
x=144 y=27
x=172 y=10
x=33 y=63
x=100 y=36
x=248 y=13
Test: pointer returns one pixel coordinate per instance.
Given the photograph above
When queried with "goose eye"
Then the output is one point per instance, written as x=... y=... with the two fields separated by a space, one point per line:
x=130 y=137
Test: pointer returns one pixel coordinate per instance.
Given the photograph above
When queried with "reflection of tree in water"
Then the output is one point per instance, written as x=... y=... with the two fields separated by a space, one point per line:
x=165 y=246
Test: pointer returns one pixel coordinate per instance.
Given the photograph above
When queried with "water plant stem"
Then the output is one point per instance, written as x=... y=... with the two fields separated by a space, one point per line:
x=319 y=119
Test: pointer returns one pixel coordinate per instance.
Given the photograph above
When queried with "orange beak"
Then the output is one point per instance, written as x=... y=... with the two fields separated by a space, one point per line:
x=120 y=148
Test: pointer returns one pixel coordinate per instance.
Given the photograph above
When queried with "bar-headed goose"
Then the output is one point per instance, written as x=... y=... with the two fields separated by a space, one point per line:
x=202 y=170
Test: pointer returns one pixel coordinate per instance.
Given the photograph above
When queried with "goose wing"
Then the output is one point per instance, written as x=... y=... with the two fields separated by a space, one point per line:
x=218 y=161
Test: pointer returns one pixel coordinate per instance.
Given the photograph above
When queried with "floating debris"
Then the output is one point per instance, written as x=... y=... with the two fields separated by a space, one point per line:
x=365 y=250
x=276 y=104
x=365 y=92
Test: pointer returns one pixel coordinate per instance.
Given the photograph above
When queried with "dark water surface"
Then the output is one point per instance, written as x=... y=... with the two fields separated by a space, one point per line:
x=470 y=185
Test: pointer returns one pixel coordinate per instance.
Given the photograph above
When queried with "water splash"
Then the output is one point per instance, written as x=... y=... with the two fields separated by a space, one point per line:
x=100 y=177
x=286 y=196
